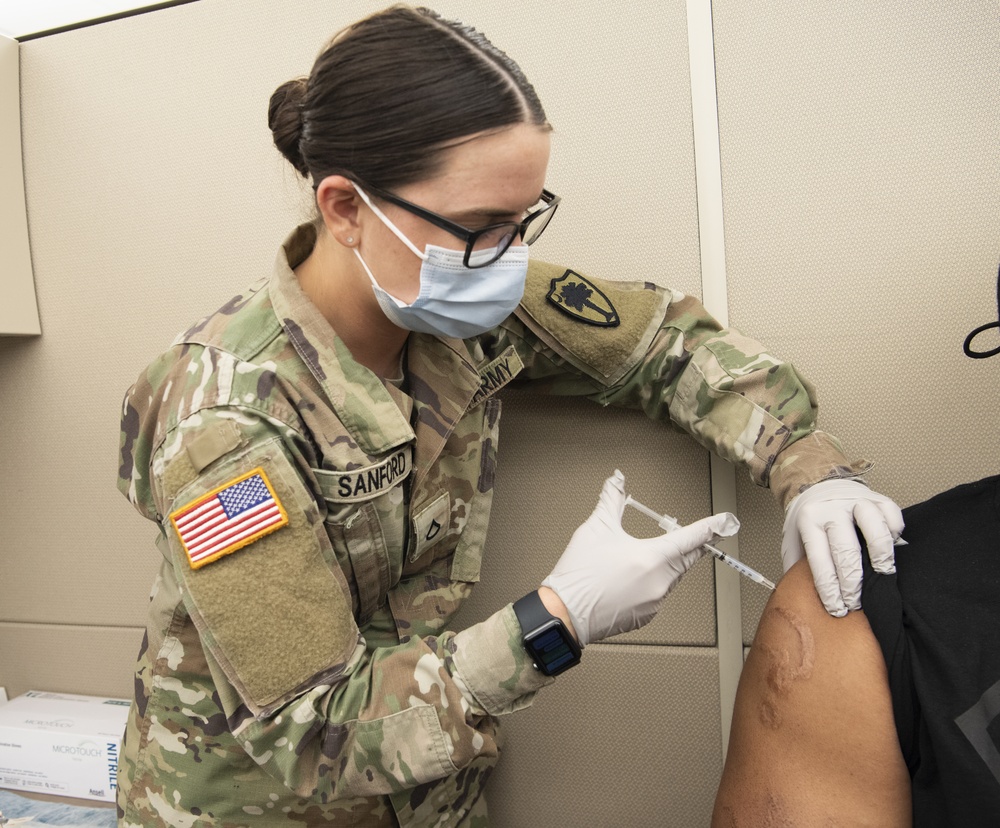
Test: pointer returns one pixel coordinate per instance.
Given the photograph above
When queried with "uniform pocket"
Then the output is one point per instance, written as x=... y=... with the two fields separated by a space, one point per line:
x=468 y=558
x=362 y=554
x=270 y=609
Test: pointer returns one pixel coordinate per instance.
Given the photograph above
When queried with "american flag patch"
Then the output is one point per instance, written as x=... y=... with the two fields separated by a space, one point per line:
x=228 y=518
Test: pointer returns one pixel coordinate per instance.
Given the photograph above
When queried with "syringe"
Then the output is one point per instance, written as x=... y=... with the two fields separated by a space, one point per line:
x=669 y=524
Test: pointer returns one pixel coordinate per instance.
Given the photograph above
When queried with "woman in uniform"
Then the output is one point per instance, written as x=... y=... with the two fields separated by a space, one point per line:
x=319 y=457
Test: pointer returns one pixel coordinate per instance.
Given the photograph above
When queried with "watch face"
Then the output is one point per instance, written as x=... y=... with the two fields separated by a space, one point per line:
x=552 y=648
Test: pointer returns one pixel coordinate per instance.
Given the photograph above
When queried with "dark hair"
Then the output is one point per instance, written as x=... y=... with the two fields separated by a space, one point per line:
x=390 y=92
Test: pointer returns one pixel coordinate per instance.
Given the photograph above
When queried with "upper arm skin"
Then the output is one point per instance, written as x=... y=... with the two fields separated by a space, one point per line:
x=813 y=740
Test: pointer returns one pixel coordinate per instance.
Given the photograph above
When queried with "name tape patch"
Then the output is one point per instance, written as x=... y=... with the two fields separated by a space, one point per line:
x=358 y=485
x=228 y=518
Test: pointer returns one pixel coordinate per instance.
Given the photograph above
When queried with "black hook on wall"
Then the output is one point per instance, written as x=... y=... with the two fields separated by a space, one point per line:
x=967 y=346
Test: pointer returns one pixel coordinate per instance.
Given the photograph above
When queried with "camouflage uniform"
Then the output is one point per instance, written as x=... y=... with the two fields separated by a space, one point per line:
x=307 y=674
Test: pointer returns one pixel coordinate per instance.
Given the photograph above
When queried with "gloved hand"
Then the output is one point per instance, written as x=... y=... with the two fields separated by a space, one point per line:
x=611 y=582
x=819 y=523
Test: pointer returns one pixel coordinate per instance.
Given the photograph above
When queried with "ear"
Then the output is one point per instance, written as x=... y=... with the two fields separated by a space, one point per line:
x=338 y=203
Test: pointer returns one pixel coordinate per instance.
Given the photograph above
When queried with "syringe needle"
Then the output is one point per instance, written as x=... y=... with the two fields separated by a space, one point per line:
x=669 y=524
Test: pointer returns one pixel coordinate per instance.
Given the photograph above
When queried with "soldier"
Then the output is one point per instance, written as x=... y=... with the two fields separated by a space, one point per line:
x=319 y=457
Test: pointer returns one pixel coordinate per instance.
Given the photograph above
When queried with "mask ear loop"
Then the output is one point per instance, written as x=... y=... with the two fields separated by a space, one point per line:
x=388 y=223
x=967 y=346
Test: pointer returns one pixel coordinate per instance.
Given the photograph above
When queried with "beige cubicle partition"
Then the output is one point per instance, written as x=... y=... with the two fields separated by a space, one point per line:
x=18 y=309
x=154 y=194
x=861 y=172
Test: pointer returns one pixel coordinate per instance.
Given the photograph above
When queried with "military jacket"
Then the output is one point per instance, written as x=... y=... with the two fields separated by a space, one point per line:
x=319 y=529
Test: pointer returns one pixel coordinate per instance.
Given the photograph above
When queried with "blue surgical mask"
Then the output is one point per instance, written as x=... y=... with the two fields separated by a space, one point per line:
x=454 y=300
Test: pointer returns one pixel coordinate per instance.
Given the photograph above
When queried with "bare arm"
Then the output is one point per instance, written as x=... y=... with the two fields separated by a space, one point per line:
x=813 y=739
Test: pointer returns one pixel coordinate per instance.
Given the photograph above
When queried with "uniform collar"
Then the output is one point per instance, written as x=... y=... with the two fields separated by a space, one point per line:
x=358 y=397
x=443 y=378
x=443 y=382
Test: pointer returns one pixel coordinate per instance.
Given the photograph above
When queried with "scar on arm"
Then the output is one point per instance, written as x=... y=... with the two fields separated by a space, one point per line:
x=785 y=666
x=813 y=740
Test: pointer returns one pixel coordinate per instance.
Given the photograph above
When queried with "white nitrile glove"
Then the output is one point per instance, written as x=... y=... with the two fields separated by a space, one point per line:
x=820 y=524
x=611 y=582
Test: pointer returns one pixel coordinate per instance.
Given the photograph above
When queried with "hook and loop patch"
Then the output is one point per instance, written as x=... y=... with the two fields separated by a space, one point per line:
x=228 y=518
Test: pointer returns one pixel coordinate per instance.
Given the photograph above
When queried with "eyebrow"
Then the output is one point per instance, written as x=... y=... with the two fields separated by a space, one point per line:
x=484 y=213
x=494 y=212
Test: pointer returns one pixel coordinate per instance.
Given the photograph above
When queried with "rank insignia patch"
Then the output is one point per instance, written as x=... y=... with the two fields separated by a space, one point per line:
x=228 y=518
x=583 y=300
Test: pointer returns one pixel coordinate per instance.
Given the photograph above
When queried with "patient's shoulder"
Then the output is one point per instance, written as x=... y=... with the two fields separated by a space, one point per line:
x=813 y=740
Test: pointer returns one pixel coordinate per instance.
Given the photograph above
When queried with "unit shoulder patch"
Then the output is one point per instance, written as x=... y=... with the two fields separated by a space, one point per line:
x=228 y=518
x=601 y=327
x=578 y=297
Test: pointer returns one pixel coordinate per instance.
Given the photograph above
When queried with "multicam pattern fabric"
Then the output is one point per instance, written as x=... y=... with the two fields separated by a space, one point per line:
x=311 y=677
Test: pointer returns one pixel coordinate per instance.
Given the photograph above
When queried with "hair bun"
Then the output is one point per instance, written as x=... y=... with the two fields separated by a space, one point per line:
x=284 y=117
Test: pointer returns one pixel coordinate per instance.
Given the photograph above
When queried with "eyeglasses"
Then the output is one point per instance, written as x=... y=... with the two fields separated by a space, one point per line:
x=487 y=244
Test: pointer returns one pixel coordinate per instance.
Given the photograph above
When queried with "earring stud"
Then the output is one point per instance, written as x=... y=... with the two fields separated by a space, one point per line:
x=350 y=239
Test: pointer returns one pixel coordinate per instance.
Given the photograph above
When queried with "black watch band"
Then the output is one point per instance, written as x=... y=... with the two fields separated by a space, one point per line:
x=552 y=647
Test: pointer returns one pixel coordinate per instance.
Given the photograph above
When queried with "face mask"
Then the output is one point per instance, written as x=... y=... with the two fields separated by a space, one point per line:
x=454 y=300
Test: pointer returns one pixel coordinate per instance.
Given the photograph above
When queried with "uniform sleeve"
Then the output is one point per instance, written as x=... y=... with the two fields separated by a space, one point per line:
x=641 y=346
x=302 y=693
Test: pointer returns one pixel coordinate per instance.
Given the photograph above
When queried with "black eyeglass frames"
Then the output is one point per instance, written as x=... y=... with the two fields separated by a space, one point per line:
x=487 y=244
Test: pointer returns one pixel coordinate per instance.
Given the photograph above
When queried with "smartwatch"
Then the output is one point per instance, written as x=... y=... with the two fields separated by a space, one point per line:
x=552 y=648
